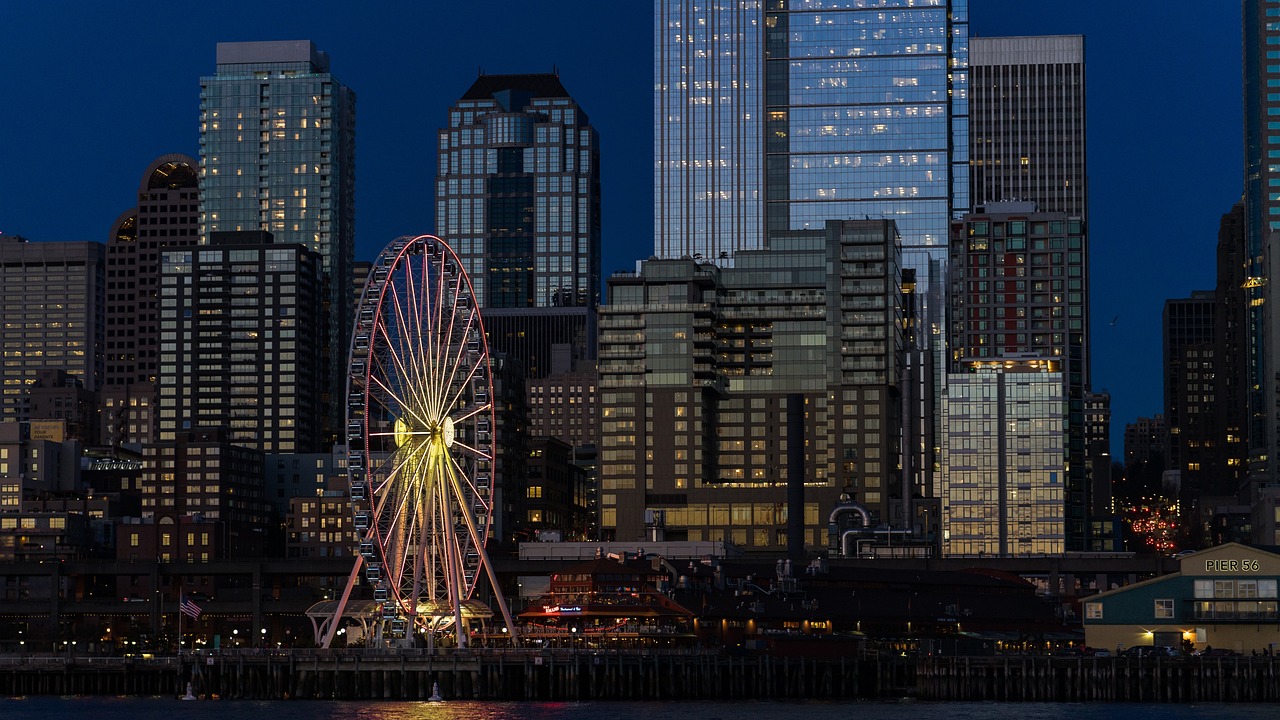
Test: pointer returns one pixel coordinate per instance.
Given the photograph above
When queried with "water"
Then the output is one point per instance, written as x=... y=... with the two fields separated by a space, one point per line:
x=43 y=708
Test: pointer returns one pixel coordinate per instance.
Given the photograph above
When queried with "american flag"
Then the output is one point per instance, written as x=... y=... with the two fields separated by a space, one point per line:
x=189 y=607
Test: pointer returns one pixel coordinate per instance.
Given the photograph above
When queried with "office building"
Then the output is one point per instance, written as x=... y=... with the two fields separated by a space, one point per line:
x=238 y=322
x=776 y=117
x=1004 y=487
x=277 y=154
x=166 y=216
x=531 y=337
x=1027 y=122
x=1261 y=33
x=700 y=364
x=1190 y=368
x=51 y=299
x=1020 y=289
x=518 y=192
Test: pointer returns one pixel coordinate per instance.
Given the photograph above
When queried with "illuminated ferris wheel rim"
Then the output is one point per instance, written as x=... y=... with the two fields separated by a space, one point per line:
x=420 y=424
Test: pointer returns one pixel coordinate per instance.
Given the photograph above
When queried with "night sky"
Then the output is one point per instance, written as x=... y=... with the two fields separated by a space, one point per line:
x=91 y=94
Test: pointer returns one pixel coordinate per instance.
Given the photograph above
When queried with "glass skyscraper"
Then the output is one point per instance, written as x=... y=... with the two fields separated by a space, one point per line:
x=774 y=117
x=518 y=193
x=1262 y=209
x=277 y=154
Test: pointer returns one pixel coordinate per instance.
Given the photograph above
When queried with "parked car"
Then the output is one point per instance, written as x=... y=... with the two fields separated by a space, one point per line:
x=1213 y=652
x=1151 y=651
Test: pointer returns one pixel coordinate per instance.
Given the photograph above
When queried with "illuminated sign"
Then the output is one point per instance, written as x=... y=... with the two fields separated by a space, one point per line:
x=52 y=430
x=1231 y=566
x=561 y=609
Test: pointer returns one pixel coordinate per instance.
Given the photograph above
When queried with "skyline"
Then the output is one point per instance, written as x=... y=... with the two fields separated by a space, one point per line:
x=1158 y=236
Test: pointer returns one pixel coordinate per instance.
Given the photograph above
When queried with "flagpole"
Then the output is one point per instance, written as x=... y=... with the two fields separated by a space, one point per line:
x=181 y=597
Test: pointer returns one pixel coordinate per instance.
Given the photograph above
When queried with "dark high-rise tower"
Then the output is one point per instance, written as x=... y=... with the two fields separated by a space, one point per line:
x=165 y=216
x=1231 y=327
x=1027 y=122
x=1190 y=367
x=277 y=154
x=1261 y=211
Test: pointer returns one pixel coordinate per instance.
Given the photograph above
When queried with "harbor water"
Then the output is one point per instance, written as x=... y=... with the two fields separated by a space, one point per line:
x=45 y=708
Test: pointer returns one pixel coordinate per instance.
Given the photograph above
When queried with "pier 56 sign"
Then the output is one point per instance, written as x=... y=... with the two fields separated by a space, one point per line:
x=1231 y=565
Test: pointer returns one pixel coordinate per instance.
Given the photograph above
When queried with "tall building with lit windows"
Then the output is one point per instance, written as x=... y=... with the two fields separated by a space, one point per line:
x=277 y=154
x=518 y=192
x=237 y=322
x=1020 y=289
x=1191 y=365
x=773 y=117
x=58 y=327
x=1004 y=488
x=699 y=366
x=518 y=198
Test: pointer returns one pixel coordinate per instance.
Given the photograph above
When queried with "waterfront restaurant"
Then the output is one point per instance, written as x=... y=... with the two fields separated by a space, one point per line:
x=1224 y=597
x=608 y=602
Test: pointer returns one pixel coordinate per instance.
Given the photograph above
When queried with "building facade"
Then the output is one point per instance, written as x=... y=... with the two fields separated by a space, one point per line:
x=1019 y=288
x=1190 y=369
x=60 y=327
x=201 y=477
x=277 y=154
x=776 y=117
x=166 y=216
x=238 y=318
x=1004 y=485
x=1261 y=32
x=1231 y=326
x=518 y=193
x=1027 y=122
x=1224 y=597
x=699 y=365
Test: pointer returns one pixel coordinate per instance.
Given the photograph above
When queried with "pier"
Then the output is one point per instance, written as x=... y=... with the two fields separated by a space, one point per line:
x=567 y=675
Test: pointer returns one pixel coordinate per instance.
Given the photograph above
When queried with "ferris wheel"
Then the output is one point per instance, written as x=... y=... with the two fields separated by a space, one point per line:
x=420 y=439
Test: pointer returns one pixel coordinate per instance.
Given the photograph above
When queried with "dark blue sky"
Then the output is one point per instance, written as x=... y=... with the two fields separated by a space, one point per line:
x=91 y=94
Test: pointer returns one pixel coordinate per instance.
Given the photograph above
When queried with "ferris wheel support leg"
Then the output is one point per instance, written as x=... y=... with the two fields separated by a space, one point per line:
x=502 y=599
x=342 y=603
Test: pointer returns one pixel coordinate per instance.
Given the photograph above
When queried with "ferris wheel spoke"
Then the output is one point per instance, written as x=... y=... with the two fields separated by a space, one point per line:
x=481 y=359
x=418 y=351
x=409 y=408
x=404 y=359
x=472 y=412
x=444 y=365
x=475 y=452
